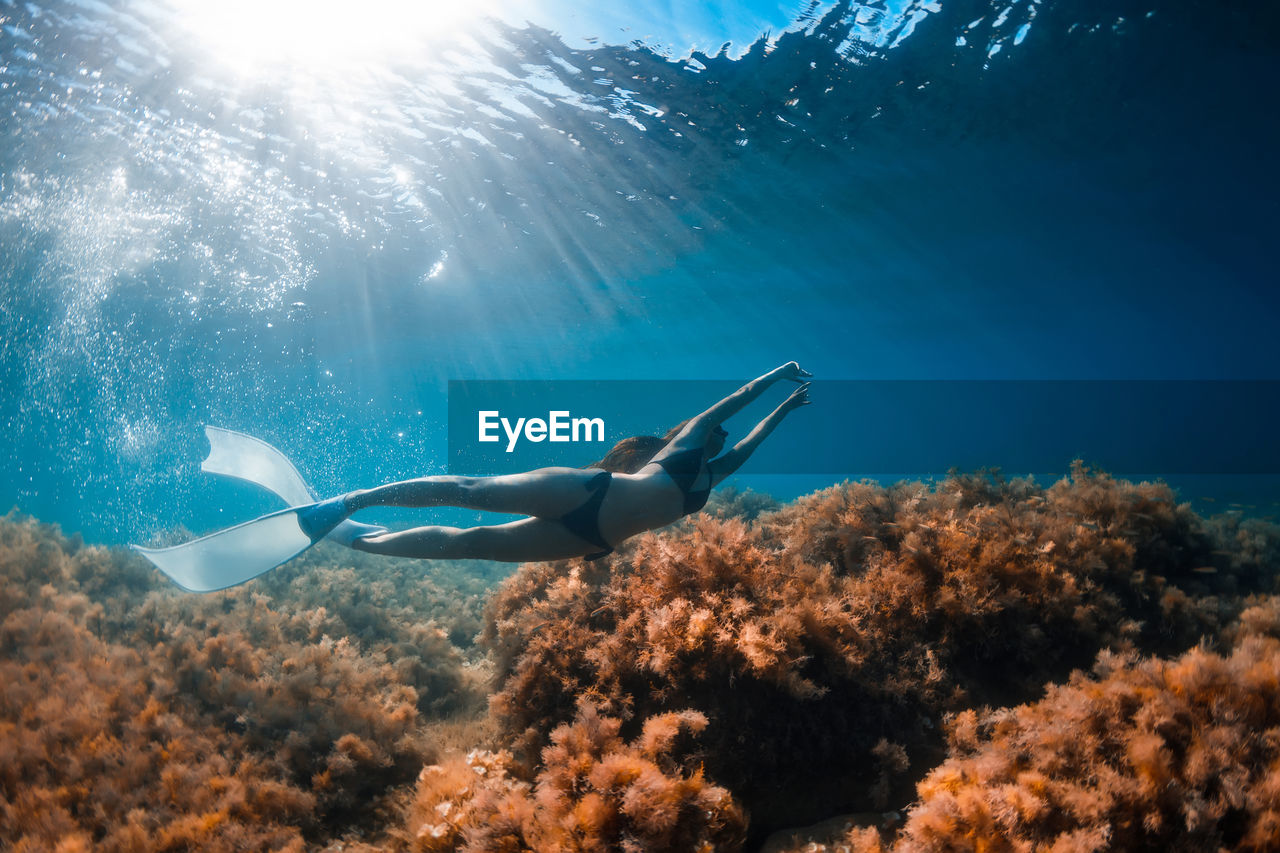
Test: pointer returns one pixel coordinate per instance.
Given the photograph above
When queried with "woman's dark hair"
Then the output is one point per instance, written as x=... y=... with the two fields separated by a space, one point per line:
x=631 y=454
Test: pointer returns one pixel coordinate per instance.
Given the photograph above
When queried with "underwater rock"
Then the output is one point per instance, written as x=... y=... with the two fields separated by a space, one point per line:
x=136 y=717
x=838 y=655
x=826 y=642
x=1146 y=754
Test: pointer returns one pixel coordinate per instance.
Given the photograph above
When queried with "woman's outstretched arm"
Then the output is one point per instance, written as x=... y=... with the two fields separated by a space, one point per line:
x=725 y=464
x=696 y=432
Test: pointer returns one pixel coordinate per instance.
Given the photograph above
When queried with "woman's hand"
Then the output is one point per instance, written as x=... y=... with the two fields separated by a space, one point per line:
x=791 y=370
x=798 y=398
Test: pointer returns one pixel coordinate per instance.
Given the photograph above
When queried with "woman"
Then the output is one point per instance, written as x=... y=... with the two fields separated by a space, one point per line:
x=644 y=483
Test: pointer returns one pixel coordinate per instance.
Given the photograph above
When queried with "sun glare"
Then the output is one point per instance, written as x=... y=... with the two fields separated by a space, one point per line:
x=315 y=36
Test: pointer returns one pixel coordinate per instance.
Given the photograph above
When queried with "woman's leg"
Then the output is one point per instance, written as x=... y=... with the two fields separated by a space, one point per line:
x=545 y=493
x=527 y=540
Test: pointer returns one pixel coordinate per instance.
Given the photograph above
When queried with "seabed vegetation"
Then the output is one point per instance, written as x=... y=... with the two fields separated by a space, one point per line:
x=971 y=664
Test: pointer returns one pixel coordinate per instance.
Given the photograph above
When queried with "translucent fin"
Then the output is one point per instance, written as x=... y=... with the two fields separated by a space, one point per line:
x=234 y=454
x=234 y=555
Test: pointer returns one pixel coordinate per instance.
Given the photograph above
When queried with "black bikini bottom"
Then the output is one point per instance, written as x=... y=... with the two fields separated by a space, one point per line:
x=584 y=522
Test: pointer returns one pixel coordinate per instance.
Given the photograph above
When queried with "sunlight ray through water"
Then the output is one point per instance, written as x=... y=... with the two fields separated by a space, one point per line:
x=322 y=38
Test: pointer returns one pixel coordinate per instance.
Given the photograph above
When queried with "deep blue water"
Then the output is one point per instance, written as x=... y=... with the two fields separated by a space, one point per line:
x=307 y=245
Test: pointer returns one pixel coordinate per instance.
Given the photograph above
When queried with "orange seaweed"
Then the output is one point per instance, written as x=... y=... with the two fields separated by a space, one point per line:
x=833 y=634
x=134 y=717
x=1148 y=754
x=592 y=792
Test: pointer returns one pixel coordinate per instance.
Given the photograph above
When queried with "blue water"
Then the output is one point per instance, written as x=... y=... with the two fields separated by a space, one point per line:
x=304 y=227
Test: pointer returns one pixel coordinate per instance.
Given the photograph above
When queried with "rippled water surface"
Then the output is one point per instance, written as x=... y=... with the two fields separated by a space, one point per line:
x=303 y=223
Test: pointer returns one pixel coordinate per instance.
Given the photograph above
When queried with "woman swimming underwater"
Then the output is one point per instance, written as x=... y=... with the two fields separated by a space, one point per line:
x=642 y=484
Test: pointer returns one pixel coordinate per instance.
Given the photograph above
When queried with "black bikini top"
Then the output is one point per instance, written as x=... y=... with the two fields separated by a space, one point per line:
x=683 y=468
